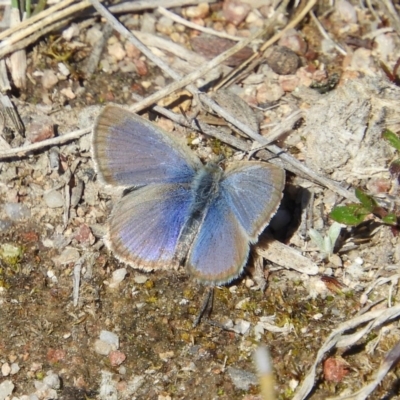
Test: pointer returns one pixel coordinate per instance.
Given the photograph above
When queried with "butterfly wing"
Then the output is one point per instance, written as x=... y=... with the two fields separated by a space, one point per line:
x=145 y=224
x=131 y=151
x=250 y=193
x=220 y=248
x=253 y=191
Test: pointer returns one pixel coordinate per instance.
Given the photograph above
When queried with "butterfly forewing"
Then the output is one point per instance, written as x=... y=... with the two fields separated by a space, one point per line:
x=253 y=191
x=130 y=151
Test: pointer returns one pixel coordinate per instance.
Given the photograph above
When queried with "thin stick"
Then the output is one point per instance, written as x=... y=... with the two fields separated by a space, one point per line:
x=180 y=82
x=292 y=24
x=22 y=151
x=47 y=17
x=194 y=26
x=211 y=103
x=324 y=33
x=30 y=21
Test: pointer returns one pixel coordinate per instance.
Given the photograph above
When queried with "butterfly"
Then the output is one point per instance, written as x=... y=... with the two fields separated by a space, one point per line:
x=175 y=210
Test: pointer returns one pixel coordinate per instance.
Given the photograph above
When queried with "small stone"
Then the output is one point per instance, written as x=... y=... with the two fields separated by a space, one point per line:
x=117 y=277
x=235 y=11
x=269 y=92
x=17 y=211
x=102 y=348
x=6 y=388
x=132 y=51
x=5 y=369
x=69 y=255
x=110 y=338
x=53 y=199
x=49 y=79
x=199 y=11
x=148 y=23
x=141 y=67
x=116 y=358
x=282 y=60
x=68 y=93
x=52 y=380
x=242 y=379
x=346 y=11
x=14 y=368
x=41 y=128
x=289 y=83
x=140 y=278
x=93 y=35
x=117 y=51
x=294 y=41
x=56 y=355
x=72 y=31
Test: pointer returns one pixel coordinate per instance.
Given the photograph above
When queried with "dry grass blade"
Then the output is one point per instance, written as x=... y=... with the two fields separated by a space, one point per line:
x=338 y=339
x=211 y=103
x=292 y=24
x=183 y=21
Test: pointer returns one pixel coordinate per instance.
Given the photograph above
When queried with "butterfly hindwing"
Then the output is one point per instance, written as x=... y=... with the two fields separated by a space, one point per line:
x=131 y=151
x=220 y=248
x=145 y=224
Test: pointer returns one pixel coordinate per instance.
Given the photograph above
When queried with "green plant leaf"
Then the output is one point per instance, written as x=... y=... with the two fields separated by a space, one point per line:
x=351 y=214
x=392 y=138
x=390 y=219
x=366 y=200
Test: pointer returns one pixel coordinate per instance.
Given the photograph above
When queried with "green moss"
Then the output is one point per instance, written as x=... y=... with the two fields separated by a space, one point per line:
x=11 y=255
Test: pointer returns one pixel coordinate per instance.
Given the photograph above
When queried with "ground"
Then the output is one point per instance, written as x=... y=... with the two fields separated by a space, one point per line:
x=78 y=324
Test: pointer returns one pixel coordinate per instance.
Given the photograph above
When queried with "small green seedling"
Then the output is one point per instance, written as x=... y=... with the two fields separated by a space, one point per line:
x=326 y=244
x=355 y=213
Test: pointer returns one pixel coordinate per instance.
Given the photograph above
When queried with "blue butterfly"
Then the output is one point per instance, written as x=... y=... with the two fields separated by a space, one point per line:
x=178 y=211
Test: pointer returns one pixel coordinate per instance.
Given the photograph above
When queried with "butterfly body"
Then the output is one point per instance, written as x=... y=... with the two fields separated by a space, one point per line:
x=182 y=212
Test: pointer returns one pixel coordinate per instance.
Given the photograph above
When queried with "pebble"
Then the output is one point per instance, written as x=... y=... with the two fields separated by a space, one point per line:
x=346 y=11
x=5 y=369
x=294 y=41
x=72 y=31
x=52 y=380
x=199 y=11
x=68 y=93
x=117 y=51
x=49 y=79
x=235 y=11
x=53 y=199
x=269 y=92
x=117 y=277
x=116 y=358
x=148 y=23
x=110 y=338
x=41 y=128
x=242 y=379
x=6 y=388
x=17 y=211
x=140 y=278
x=69 y=255
x=102 y=348
x=282 y=60
x=63 y=69
x=93 y=35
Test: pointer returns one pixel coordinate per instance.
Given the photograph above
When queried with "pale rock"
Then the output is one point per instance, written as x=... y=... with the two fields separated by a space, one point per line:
x=117 y=51
x=49 y=79
x=54 y=199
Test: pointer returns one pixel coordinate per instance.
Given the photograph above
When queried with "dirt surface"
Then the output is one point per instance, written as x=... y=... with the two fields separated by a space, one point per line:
x=127 y=334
